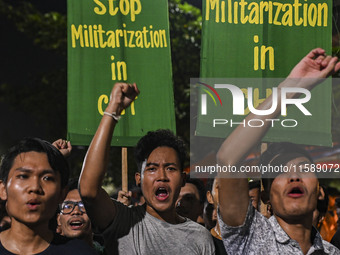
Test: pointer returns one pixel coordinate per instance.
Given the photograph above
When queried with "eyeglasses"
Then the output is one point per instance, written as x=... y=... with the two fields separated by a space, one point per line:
x=68 y=206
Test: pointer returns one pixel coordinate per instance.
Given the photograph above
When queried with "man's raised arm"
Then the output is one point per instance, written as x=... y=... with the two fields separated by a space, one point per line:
x=233 y=192
x=98 y=203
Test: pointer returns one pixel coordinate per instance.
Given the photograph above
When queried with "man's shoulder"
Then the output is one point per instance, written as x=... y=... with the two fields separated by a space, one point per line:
x=196 y=232
x=65 y=245
x=197 y=227
x=330 y=248
x=131 y=210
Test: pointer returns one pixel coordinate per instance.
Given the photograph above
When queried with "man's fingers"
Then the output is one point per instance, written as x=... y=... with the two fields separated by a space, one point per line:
x=315 y=53
x=136 y=88
x=122 y=194
x=59 y=144
x=337 y=67
x=131 y=90
x=326 y=61
x=319 y=59
x=332 y=65
x=69 y=146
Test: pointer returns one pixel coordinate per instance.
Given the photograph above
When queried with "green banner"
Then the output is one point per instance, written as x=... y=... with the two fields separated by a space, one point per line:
x=265 y=39
x=118 y=41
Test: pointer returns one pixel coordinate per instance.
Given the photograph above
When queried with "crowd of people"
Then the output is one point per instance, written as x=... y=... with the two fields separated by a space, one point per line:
x=174 y=214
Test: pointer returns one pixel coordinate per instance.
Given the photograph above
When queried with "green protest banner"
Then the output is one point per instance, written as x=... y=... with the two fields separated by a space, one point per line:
x=265 y=39
x=118 y=41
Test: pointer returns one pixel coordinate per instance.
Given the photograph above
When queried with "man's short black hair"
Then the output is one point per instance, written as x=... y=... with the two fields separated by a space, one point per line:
x=210 y=184
x=279 y=154
x=55 y=158
x=72 y=184
x=254 y=184
x=155 y=139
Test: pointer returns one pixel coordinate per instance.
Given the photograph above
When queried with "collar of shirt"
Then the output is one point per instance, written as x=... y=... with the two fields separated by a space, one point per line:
x=282 y=237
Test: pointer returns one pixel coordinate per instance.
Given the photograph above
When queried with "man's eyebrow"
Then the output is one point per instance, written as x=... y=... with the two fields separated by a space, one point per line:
x=72 y=201
x=152 y=164
x=21 y=169
x=170 y=163
x=26 y=170
x=157 y=164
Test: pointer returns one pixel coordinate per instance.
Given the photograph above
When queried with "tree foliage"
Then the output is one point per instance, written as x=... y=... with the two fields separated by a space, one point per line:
x=40 y=89
x=185 y=34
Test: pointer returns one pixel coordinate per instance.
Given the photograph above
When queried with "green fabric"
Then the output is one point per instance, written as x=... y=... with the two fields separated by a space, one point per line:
x=228 y=51
x=135 y=33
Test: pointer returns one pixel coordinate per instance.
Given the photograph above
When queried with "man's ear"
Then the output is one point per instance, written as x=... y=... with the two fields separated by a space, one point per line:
x=3 y=191
x=210 y=197
x=58 y=219
x=59 y=229
x=138 y=179
x=184 y=176
x=321 y=195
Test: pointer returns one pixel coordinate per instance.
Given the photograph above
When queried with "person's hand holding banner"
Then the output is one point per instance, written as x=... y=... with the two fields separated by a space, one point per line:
x=124 y=197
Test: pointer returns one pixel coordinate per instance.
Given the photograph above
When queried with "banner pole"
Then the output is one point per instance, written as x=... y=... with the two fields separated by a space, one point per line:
x=263 y=207
x=124 y=170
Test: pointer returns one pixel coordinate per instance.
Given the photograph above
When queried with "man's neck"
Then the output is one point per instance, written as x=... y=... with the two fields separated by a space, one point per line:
x=169 y=216
x=22 y=239
x=298 y=230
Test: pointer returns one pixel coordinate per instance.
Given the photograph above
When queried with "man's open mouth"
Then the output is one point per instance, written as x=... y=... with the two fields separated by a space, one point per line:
x=76 y=224
x=162 y=193
x=296 y=192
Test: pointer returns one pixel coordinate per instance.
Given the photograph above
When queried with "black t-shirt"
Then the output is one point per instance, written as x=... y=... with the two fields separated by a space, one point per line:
x=61 y=245
x=336 y=239
x=219 y=246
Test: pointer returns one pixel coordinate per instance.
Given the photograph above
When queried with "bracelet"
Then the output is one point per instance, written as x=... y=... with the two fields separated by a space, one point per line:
x=113 y=115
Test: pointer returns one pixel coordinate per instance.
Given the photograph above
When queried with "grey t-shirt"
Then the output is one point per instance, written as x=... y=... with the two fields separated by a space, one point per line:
x=134 y=231
x=261 y=236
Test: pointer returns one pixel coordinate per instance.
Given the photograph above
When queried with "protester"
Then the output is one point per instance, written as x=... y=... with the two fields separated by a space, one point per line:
x=191 y=200
x=33 y=177
x=293 y=195
x=255 y=193
x=155 y=227
x=73 y=221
